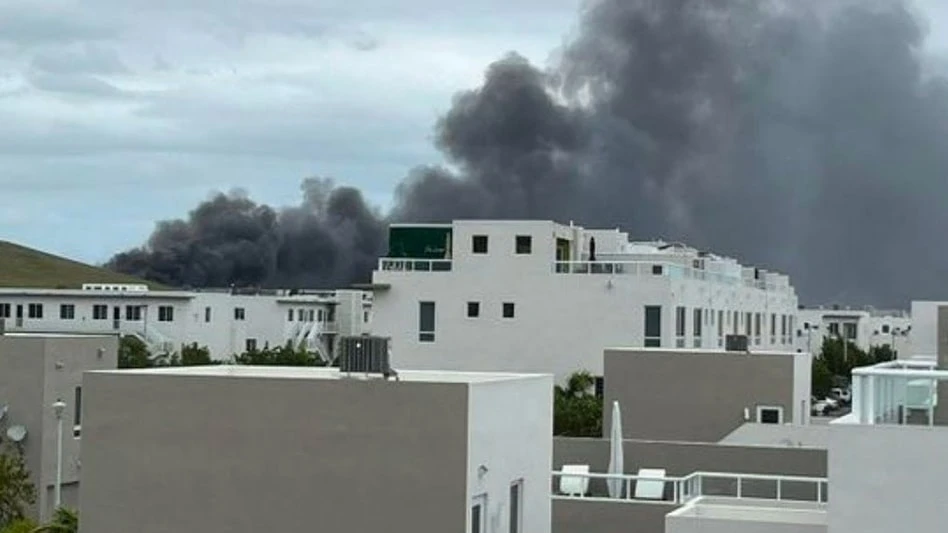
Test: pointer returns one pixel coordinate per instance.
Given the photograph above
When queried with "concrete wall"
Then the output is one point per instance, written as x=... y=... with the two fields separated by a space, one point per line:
x=22 y=391
x=573 y=516
x=694 y=396
x=562 y=322
x=787 y=435
x=713 y=515
x=510 y=426
x=170 y=453
x=924 y=336
x=887 y=478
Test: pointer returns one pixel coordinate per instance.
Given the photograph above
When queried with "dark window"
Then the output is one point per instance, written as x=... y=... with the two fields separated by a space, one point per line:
x=773 y=324
x=4 y=310
x=100 y=312
x=426 y=321
x=251 y=345
x=207 y=314
x=524 y=244
x=680 y=321
x=67 y=311
x=653 y=326
x=365 y=316
x=697 y=326
x=311 y=314
x=133 y=312
x=770 y=415
x=239 y=313
x=850 y=331
x=657 y=270
x=885 y=327
x=757 y=324
x=35 y=311
x=165 y=313
x=515 y=509
x=77 y=412
x=477 y=518
x=473 y=309
x=508 y=311
x=479 y=244
x=748 y=324
x=600 y=387
x=289 y=315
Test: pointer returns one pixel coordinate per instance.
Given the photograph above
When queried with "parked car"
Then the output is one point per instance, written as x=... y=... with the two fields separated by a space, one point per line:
x=831 y=403
x=843 y=395
x=819 y=408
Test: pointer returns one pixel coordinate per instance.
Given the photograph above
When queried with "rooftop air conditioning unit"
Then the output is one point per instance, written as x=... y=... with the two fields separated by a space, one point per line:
x=365 y=355
x=735 y=343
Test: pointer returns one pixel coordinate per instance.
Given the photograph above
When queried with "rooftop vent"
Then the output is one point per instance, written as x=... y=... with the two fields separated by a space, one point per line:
x=365 y=355
x=735 y=343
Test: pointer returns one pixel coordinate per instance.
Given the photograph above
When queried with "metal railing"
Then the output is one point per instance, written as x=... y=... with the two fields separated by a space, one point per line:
x=414 y=265
x=896 y=392
x=659 y=269
x=679 y=490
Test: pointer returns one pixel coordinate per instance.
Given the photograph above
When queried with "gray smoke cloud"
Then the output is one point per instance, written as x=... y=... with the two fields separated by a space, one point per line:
x=803 y=136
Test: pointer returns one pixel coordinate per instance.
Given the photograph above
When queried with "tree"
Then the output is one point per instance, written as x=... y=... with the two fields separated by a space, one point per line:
x=133 y=353
x=65 y=520
x=20 y=526
x=577 y=412
x=821 y=378
x=193 y=355
x=288 y=355
x=17 y=492
x=881 y=354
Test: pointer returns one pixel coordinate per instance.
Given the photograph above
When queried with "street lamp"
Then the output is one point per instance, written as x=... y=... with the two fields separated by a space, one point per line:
x=58 y=407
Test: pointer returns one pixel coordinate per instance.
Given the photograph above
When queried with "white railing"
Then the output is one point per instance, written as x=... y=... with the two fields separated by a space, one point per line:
x=658 y=269
x=891 y=392
x=680 y=490
x=414 y=265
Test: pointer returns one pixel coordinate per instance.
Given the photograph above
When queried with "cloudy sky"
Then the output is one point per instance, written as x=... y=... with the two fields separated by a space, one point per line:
x=117 y=113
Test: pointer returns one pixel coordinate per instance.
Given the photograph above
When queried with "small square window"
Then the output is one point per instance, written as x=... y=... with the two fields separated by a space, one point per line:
x=479 y=244
x=657 y=270
x=473 y=309
x=524 y=244
x=769 y=415
x=508 y=310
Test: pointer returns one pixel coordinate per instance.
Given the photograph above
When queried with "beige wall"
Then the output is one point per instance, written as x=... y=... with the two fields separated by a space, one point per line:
x=693 y=396
x=166 y=453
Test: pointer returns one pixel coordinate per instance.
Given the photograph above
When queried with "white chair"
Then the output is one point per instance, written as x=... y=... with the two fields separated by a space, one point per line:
x=574 y=485
x=645 y=488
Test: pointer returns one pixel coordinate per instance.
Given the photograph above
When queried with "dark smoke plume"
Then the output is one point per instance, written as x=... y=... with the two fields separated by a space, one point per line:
x=805 y=136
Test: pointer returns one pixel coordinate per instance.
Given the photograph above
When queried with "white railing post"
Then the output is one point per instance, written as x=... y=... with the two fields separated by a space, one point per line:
x=778 y=490
x=819 y=492
x=739 y=492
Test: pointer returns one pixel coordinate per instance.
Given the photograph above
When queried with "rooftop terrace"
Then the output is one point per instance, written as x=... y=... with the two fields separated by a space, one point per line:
x=321 y=373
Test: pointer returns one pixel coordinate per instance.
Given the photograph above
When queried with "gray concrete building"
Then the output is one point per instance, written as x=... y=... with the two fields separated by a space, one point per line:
x=247 y=449
x=35 y=372
x=704 y=395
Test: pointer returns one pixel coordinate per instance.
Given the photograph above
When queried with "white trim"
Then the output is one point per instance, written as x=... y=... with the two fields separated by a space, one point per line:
x=778 y=408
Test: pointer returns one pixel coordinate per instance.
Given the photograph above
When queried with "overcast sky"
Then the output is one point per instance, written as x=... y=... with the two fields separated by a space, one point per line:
x=118 y=113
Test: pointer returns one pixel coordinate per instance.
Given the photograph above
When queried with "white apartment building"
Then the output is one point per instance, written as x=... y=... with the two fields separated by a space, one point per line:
x=538 y=296
x=865 y=328
x=227 y=322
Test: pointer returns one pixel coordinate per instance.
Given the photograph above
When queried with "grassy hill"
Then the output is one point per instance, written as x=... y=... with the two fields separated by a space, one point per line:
x=27 y=268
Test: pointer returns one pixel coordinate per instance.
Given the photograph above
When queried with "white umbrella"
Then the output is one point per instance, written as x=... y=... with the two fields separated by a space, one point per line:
x=615 y=453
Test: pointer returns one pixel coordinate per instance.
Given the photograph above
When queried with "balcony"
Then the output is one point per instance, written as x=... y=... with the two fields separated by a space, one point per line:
x=896 y=392
x=681 y=490
x=659 y=269
x=414 y=265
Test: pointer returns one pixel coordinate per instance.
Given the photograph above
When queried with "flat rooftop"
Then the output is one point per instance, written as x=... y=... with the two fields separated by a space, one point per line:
x=322 y=373
x=750 y=510
x=701 y=351
x=42 y=335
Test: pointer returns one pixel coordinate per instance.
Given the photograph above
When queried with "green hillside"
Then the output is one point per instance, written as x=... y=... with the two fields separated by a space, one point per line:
x=27 y=268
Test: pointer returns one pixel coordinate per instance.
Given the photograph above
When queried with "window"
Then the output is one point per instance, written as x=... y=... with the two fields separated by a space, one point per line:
x=473 y=309
x=426 y=321
x=35 y=311
x=310 y=315
x=657 y=270
x=885 y=327
x=734 y=321
x=479 y=244
x=756 y=328
x=524 y=244
x=783 y=329
x=319 y=315
x=720 y=323
x=516 y=512
x=680 y=327
x=769 y=415
x=849 y=331
x=165 y=313
x=834 y=328
x=251 y=345
x=653 y=326
x=207 y=314
x=301 y=314
x=289 y=315
x=100 y=312
x=697 y=327
x=240 y=313
x=77 y=413
x=478 y=518
x=4 y=310
x=365 y=316
x=748 y=324
x=67 y=312
x=508 y=310
x=133 y=312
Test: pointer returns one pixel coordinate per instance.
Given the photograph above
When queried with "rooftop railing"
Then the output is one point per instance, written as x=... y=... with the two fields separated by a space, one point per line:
x=896 y=392
x=680 y=490
x=414 y=265
x=660 y=269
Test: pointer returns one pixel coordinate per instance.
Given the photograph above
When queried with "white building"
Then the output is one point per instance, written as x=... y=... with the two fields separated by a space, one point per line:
x=227 y=322
x=865 y=328
x=924 y=335
x=537 y=296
